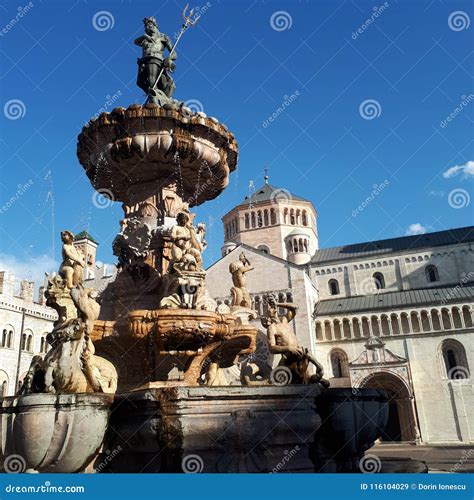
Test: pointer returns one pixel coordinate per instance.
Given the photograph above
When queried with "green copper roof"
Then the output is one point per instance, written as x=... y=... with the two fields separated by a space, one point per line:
x=269 y=193
x=84 y=235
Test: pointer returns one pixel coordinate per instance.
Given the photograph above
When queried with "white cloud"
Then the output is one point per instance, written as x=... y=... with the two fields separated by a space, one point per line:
x=416 y=228
x=31 y=269
x=467 y=170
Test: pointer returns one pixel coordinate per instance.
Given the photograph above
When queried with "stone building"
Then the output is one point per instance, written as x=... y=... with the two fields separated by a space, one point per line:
x=395 y=313
x=24 y=324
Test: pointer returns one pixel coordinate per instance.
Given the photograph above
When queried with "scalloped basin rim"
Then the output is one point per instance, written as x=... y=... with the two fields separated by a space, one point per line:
x=59 y=400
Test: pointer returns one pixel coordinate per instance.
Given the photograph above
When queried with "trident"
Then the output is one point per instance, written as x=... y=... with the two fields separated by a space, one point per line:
x=187 y=23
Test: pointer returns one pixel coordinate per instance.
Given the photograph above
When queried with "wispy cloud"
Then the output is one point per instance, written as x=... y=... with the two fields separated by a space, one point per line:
x=467 y=170
x=416 y=228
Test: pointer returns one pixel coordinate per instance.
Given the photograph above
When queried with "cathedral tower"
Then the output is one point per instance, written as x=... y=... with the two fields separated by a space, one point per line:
x=274 y=221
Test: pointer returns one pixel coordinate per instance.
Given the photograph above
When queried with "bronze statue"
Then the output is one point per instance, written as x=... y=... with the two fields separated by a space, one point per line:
x=282 y=340
x=153 y=67
x=239 y=292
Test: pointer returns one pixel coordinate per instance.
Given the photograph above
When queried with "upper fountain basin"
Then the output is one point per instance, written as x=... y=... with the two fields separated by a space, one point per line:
x=131 y=153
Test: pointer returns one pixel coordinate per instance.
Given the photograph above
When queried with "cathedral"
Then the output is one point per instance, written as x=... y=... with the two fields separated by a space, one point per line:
x=395 y=314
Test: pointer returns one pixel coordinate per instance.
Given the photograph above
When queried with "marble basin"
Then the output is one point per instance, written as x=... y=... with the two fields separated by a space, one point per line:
x=52 y=432
x=134 y=152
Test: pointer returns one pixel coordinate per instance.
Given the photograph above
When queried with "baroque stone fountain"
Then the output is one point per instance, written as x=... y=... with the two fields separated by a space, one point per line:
x=158 y=342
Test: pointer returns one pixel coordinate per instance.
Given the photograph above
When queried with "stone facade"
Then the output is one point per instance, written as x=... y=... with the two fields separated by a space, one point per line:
x=24 y=323
x=392 y=314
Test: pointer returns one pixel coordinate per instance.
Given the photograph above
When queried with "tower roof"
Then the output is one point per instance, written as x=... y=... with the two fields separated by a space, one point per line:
x=84 y=235
x=271 y=193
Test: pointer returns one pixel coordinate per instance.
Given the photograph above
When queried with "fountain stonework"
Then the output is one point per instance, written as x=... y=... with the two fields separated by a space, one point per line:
x=152 y=358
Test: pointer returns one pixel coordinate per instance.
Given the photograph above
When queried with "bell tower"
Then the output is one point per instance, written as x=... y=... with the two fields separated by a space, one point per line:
x=274 y=221
x=86 y=244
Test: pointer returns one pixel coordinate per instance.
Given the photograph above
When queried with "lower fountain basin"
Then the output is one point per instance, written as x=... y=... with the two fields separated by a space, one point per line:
x=52 y=432
x=352 y=421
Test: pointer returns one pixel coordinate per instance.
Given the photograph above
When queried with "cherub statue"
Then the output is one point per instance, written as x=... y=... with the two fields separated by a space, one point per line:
x=282 y=340
x=239 y=292
x=186 y=246
x=153 y=67
x=72 y=266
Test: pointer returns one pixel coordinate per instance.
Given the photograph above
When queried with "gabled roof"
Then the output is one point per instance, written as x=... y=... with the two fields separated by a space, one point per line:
x=84 y=235
x=403 y=243
x=392 y=300
x=271 y=193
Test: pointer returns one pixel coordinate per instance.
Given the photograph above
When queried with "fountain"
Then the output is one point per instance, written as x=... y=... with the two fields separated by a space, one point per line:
x=151 y=359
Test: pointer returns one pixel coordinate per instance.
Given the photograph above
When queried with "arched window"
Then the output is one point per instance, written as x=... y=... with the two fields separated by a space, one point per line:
x=455 y=360
x=339 y=363
x=4 y=337
x=265 y=217
x=305 y=218
x=333 y=287
x=259 y=219
x=247 y=221
x=3 y=389
x=263 y=249
x=431 y=274
x=292 y=217
x=379 y=281
x=252 y=218
x=273 y=219
x=23 y=342
x=7 y=338
x=29 y=343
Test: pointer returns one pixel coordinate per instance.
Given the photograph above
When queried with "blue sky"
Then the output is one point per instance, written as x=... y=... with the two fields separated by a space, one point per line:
x=369 y=106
